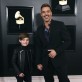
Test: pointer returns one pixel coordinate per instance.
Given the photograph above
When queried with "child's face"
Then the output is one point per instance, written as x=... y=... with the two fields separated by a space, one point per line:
x=24 y=41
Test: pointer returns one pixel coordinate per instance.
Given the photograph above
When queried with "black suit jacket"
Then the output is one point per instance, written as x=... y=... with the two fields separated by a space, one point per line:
x=18 y=59
x=59 y=40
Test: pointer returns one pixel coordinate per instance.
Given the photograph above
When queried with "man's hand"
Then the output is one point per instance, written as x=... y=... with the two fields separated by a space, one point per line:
x=39 y=67
x=52 y=53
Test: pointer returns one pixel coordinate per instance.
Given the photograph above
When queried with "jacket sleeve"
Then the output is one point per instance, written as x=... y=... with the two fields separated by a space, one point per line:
x=66 y=40
x=38 y=52
x=31 y=53
x=14 y=62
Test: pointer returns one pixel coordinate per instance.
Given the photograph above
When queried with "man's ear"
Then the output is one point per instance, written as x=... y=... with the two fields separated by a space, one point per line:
x=41 y=14
x=51 y=13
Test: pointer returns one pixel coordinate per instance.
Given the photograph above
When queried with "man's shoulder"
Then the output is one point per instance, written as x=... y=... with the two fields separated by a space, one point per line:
x=56 y=21
x=40 y=28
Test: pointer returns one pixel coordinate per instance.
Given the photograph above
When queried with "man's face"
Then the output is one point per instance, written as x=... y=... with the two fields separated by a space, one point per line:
x=46 y=14
x=24 y=42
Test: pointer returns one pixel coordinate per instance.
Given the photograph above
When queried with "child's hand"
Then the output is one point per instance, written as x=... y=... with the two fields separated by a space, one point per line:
x=40 y=67
x=21 y=75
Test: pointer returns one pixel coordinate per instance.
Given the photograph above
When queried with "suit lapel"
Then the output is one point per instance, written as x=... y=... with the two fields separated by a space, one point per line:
x=53 y=27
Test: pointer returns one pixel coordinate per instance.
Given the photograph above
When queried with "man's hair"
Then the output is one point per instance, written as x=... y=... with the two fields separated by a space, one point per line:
x=23 y=35
x=46 y=5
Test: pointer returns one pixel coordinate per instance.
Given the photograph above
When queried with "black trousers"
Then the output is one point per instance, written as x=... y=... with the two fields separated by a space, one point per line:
x=61 y=72
x=26 y=78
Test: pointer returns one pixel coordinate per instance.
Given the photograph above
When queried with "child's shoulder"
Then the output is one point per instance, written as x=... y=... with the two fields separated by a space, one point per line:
x=17 y=48
x=30 y=46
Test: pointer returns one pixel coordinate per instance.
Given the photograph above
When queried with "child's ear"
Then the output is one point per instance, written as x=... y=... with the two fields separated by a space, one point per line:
x=20 y=41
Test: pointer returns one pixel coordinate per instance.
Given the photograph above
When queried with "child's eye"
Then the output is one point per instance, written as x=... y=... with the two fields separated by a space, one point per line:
x=27 y=40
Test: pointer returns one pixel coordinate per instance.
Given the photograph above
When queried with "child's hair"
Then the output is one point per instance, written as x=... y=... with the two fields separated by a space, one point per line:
x=23 y=35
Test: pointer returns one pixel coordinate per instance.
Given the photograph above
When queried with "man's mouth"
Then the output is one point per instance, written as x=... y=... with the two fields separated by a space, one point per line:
x=46 y=17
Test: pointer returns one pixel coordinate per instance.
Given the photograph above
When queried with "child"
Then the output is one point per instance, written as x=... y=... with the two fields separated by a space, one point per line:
x=21 y=59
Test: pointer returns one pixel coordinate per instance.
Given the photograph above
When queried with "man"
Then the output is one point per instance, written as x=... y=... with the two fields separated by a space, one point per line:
x=52 y=38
